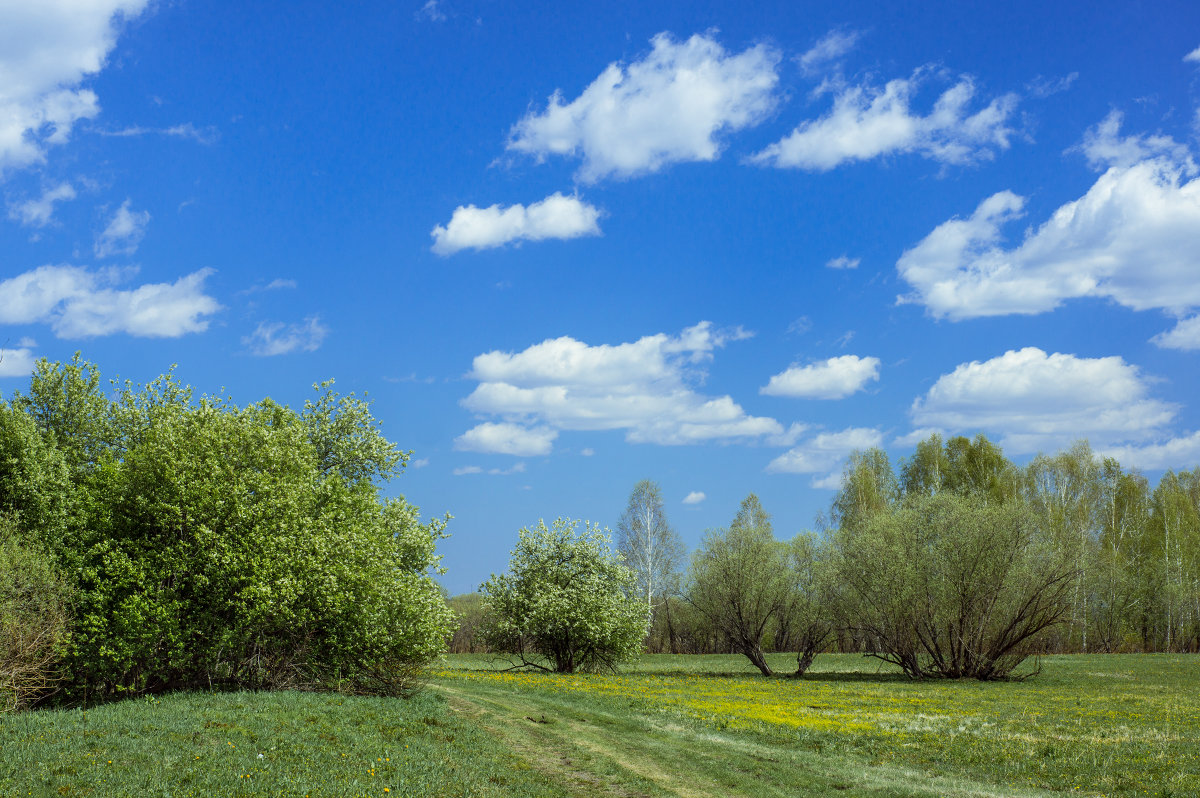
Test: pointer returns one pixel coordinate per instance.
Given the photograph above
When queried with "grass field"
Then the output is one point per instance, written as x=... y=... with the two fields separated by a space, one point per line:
x=1125 y=725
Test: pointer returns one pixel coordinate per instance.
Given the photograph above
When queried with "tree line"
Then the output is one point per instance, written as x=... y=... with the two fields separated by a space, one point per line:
x=953 y=562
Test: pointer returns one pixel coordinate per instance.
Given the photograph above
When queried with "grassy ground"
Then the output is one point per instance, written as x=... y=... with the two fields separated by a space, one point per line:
x=684 y=726
x=258 y=744
x=1091 y=725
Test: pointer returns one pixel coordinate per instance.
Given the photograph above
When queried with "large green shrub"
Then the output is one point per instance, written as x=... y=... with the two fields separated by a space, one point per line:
x=247 y=546
x=33 y=620
x=567 y=597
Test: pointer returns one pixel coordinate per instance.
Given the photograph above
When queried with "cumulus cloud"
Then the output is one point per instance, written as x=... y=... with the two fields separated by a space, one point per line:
x=834 y=378
x=1134 y=238
x=828 y=49
x=1185 y=335
x=695 y=497
x=507 y=438
x=556 y=216
x=123 y=233
x=16 y=362
x=1040 y=402
x=1193 y=56
x=671 y=106
x=40 y=212
x=843 y=262
x=1181 y=452
x=867 y=122
x=78 y=303
x=47 y=48
x=824 y=454
x=277 y=338
x=643 y=387
x=1104 y=146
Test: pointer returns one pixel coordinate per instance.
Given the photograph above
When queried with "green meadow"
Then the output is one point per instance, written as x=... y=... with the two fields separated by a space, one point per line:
x=1094 y=725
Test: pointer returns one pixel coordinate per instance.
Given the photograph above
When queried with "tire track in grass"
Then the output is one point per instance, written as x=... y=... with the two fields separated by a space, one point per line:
x=641 y=756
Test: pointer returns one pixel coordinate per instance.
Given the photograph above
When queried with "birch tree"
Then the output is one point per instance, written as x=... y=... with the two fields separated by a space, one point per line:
x=652 y=549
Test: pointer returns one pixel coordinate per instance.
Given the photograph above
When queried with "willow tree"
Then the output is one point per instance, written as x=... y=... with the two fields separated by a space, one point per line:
x=739 y=581
x=951 y=585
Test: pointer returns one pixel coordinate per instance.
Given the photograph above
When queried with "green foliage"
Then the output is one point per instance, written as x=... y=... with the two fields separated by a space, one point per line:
x=741 y=581
x=467 y=637
x=217 y=544
x=652 y=549
x=952 y=586
x=33 y=620
x=566 y=597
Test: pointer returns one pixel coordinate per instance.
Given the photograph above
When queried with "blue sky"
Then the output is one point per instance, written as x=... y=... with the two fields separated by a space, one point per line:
x=566 y=248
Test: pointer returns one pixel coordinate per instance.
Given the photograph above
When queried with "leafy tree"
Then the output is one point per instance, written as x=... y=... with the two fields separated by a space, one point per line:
x=807 y=612
x=952 y=585
x=739 y=580
x=566 y=597
x=652 y=549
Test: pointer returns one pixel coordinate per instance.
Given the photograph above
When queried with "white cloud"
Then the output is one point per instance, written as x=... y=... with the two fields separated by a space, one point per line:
x=507 y=438
x=123 y=233
x=1134 y=238
x=695 y=497
x=278 y=284
x=556 y=216
x=78 y=303
x=834 y=378
x=421 y=463
x=1182 y=452
x=39 y=212
x=1185 y=335
x=867 y=122
x=1040 y=402
x=670 y=107
x=206 y=135
x=517 y=468
x=16 y=362
x=277 y=338
x=1042 y=88
x=1104 y=146
x=47 y=48
x=1193 y=56
x=828 y=49
x=588 y=452
x=643 y=387
x=431 y=12
x=824 y=453
x=843 y=262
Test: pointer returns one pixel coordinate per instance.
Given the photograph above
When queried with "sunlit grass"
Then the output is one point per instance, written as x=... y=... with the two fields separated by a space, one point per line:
x=260 y=744
x=1105 y=725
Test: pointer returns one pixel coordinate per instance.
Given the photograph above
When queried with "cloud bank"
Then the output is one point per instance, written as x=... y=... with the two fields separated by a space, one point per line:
x=644 y=387
x=78 y=303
